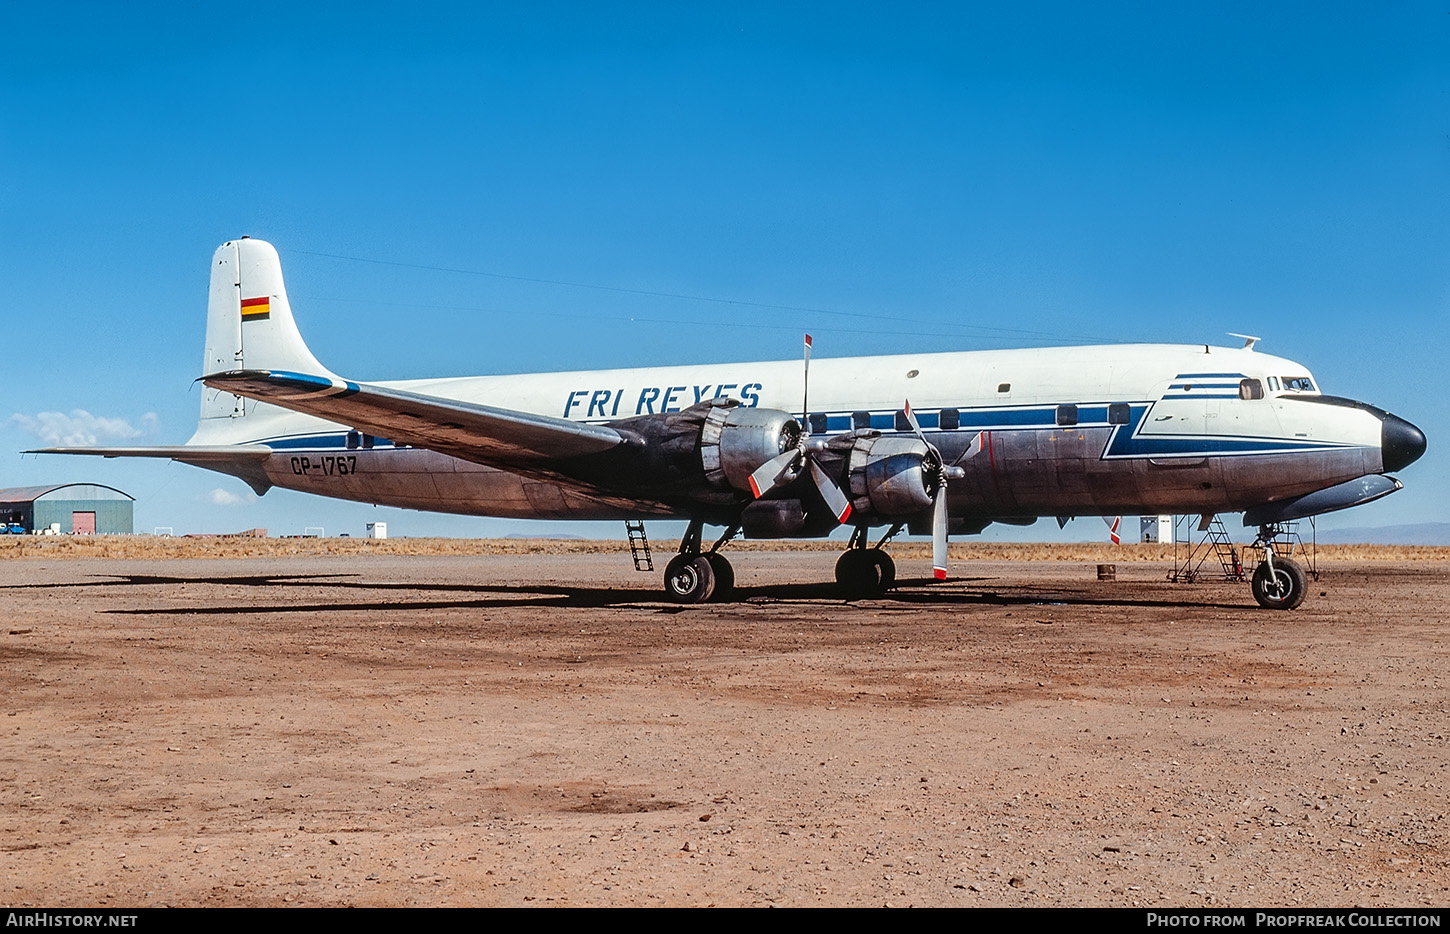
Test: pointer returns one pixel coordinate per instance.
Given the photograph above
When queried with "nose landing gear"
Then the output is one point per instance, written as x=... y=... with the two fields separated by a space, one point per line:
x=1279 y=583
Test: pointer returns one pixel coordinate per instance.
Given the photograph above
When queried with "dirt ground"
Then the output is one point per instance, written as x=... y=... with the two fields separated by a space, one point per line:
x=543 y=729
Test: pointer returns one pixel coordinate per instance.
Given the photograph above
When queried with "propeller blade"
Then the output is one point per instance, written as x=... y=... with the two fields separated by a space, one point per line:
x=911 y=420
x=939 y=501
x=973 y=449
x=939 y=534
x=769 y=474
x=1113 y=523
x=806 y=389
x=839 y=505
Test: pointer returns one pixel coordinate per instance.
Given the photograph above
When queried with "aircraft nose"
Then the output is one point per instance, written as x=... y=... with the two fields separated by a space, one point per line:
x=1401 y=443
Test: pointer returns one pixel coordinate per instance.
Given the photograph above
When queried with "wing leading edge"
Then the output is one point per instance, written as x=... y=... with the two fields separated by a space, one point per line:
x=483 y=434
x=186 y=453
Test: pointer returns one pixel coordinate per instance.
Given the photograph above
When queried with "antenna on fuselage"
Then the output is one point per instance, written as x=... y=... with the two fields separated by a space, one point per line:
x=1249 y=342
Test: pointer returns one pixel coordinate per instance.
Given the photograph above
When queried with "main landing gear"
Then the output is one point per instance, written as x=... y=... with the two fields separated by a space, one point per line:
x=694 y=577
x=862 y=571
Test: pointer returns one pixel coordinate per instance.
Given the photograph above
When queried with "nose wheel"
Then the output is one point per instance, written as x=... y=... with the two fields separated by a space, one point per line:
x=1279 y=584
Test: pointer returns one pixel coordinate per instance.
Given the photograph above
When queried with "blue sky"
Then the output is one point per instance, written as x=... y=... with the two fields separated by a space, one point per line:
x=637 y=184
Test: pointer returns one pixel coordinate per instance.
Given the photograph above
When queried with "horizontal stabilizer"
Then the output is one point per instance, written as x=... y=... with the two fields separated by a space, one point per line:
x=191 y=454
x=479 y=433
x=246 y=462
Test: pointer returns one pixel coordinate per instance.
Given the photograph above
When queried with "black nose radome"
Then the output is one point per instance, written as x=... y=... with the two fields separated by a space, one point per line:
x=1401 y=443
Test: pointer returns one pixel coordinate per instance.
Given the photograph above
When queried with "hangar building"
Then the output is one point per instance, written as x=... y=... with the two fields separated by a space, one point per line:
x=80 y=508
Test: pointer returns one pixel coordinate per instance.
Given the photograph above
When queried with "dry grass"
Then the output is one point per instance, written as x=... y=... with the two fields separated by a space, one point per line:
x=146 y=546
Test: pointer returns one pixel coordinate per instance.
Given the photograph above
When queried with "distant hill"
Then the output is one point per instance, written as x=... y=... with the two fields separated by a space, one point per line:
x=1419 y=533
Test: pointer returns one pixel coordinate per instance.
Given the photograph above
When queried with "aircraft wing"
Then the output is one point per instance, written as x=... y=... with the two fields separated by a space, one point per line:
x=480 y=433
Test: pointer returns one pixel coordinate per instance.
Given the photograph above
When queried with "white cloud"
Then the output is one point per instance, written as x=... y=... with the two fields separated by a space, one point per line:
x=220 y=497
x=82 y=429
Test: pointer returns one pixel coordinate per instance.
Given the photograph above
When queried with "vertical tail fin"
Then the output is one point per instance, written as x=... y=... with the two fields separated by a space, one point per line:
x=249 y=323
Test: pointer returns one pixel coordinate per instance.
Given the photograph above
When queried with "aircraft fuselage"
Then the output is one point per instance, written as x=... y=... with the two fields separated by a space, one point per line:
x=1109 y=430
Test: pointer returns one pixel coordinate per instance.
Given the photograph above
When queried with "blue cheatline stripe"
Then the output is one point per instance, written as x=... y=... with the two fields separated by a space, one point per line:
x=1089 y=415
x=1126 y=443
x=318 y=442
x=1123 y=443
x=1210 y=376
x=1203 y=395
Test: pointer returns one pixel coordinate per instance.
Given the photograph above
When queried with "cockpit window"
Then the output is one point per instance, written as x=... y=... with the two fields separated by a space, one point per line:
x=1298 y=383
x=1251 y=389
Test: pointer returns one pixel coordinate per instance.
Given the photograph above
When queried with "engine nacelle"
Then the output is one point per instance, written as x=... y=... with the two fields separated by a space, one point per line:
x=735 y=441
x=702 y=456
x=891 y=476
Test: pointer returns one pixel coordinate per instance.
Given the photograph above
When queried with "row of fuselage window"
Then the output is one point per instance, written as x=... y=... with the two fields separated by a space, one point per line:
x=1119 y=413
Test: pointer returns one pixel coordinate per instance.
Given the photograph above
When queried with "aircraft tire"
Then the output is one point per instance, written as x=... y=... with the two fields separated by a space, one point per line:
x=724 y=578
x=689 y=579
x=859 y=575
x=1283 y=589
x=886 y=567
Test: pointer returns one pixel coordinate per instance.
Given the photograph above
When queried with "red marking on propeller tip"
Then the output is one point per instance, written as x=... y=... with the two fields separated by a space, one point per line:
x=941 y=573
x=754 y=488
x=845 y=515
x=808 y=340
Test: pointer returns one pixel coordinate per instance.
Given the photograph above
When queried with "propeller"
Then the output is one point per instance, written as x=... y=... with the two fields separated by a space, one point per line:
x=786 y=466
x=940 y=473
x=1113 y=523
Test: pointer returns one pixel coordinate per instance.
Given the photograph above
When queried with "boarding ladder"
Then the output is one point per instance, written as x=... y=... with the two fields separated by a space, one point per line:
x=639 y=545
x=1215 y=544
x=1224 y=550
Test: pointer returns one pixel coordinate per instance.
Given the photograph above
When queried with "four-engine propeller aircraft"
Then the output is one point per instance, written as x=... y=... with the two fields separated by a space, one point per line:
x=993 y=436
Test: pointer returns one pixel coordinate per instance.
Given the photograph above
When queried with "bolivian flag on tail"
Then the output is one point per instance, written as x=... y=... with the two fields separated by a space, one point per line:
x=256 y=309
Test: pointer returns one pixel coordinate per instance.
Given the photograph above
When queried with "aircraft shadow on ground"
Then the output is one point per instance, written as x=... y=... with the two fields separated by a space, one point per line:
x=911 y=592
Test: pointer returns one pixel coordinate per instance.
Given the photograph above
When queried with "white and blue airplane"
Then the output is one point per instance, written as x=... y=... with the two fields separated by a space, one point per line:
x=993 y=436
